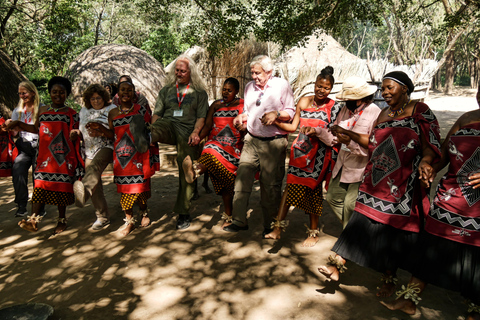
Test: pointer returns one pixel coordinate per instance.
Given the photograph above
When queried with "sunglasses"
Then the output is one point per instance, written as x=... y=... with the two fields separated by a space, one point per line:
x=259 y=100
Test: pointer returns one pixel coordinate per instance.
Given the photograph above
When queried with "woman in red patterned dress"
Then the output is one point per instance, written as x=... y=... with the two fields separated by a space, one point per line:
x=221 y=153
x=310 y=159
x=448 y=252
x=392 y=201
x=57 y=159
x=131 y=168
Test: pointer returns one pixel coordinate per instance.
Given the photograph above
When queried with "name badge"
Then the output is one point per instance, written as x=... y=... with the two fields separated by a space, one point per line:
x=178 y=113
x=344 y=148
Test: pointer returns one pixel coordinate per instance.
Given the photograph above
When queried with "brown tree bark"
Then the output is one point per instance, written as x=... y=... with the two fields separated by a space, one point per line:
x=449 y=71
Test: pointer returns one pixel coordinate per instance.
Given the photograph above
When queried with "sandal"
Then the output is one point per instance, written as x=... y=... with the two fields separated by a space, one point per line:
x=31 y=223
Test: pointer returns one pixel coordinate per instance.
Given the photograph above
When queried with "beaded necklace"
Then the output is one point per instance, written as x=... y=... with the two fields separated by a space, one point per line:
x=121 y=111
x=394 y=113
x=54 y=109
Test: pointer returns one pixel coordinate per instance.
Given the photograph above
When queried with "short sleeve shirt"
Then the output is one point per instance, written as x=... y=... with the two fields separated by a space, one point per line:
x=193 y=106
x=94 y=144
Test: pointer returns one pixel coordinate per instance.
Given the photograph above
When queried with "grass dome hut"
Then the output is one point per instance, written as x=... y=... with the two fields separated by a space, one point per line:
x=10 y=77
x=301 y=64
x=106 y=63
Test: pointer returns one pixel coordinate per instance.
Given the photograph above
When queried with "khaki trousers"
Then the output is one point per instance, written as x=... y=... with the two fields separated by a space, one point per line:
x=342 y=198
x=92 y=181
x=268 y=157
x=164 y=131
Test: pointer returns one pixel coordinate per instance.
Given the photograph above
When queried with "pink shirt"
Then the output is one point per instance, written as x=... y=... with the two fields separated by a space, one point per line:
x=277 y=96
x=352 y=159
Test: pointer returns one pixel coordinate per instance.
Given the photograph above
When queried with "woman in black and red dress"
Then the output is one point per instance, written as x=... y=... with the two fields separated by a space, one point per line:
x=221 y=153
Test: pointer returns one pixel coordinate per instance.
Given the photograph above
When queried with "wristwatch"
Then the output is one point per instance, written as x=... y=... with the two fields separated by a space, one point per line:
x=278 y=114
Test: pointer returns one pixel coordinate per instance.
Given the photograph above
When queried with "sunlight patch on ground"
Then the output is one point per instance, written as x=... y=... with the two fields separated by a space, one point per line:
x=8 y=240
x=158 y=299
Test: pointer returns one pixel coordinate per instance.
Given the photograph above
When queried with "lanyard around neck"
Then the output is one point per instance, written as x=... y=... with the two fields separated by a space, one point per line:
x=183 y=96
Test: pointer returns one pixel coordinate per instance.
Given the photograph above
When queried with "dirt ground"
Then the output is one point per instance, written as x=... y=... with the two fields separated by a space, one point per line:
x=199 y=273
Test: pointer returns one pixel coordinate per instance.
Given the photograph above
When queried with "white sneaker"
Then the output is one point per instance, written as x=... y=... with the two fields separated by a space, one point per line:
x=99 y=225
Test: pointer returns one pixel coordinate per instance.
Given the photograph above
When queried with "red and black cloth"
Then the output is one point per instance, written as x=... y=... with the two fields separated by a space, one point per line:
x=391 y=193
x=132 y=169
x=58 y=161
x=225 y=142
x=311 y=161
x=455 y=212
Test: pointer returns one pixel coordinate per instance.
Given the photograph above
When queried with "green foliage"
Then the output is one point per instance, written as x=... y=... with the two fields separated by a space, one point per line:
x=163 y=45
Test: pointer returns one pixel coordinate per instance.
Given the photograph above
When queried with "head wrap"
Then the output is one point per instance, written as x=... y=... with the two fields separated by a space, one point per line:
x=64 y=82
x=401 y=78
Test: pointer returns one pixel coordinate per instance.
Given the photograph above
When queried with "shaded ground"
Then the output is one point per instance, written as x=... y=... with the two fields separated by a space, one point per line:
x=199 y=273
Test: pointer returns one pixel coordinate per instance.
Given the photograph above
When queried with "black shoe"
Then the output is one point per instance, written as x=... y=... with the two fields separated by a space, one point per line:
x=235 y=228
x=139 y=133
x=266 y=231
x=183 y=221
x=21 y=212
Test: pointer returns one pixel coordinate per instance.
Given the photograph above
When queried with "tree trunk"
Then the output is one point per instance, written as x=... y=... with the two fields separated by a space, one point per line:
x=449 y=71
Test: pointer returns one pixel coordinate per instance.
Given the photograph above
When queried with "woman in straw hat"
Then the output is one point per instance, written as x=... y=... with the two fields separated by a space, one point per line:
x=384 y=227
x=358 y=116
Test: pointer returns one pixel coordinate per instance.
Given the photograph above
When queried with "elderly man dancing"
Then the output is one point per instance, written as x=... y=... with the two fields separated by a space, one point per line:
x=267 y=99
x=179 y=115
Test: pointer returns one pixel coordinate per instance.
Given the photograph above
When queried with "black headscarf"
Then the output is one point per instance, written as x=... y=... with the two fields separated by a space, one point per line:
x=401 y=78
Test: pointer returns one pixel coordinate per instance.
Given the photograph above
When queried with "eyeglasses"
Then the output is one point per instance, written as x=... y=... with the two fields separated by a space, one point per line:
x=259 y=100
x=96 y=99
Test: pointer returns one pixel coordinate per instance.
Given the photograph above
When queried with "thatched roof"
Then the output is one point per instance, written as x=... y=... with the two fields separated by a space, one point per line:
x=300 y=66
x=106 y=63
x=234 y=63
x=10 y=77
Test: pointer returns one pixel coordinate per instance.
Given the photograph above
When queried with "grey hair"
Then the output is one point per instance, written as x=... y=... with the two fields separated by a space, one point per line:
x=196 y=80
x=264 y=61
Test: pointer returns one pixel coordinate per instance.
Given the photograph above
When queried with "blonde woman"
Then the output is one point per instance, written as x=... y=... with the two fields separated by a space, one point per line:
x=26 y=143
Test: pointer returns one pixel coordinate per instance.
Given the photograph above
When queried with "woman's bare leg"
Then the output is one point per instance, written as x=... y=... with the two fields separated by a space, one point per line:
x=282 y=214
x=313 y=237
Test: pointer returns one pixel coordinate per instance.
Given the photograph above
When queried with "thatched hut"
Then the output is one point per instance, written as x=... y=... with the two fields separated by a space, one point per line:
x=233 y=63
x=300 y=66
x=106 y=63
x=10 y=77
